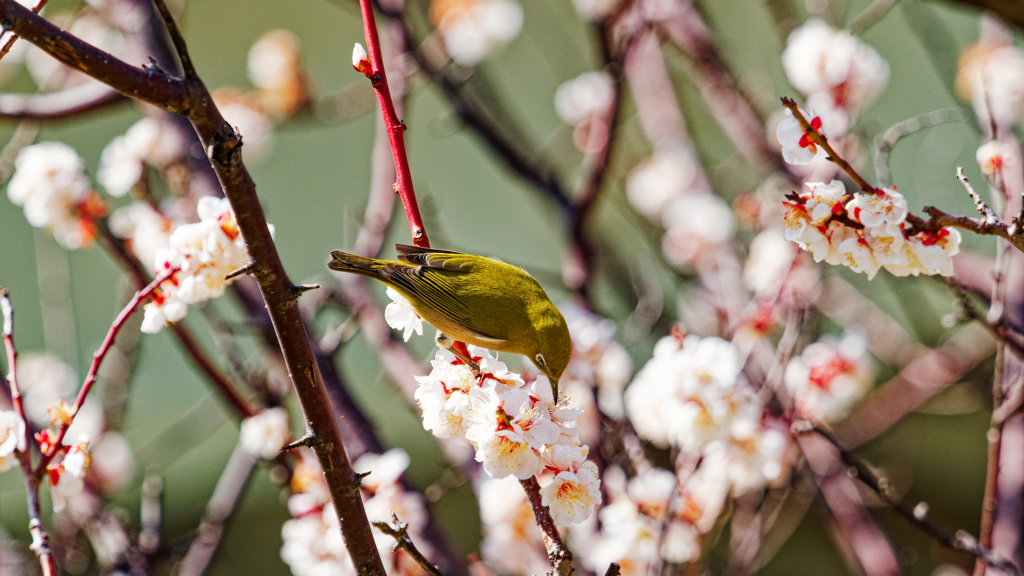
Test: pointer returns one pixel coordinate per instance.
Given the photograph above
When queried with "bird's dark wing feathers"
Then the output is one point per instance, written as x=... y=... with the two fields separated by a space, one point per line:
x=430 y=286
x=434 y=258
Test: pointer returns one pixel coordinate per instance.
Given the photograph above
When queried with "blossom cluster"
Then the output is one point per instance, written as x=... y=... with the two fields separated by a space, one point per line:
x=691 y=396
x=472 y=30
x=828 y=377
x=585 y=102
x=516 y=429
x=203 y=254
x=990 y=75
x=312 y=543
x=49 y=181
x=866 y=231
x=123 y=161
x=697 y=223
x=838 y=73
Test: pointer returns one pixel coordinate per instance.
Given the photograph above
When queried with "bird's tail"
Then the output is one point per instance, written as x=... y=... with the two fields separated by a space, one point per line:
x=344 y=262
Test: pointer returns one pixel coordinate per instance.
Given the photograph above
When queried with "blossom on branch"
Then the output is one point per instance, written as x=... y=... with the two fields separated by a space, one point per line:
x=797 y=145
x=828 y=377
x=12 y=438
x=203 y=253
x=67 y=479
x=265 y=433
x=400 y=315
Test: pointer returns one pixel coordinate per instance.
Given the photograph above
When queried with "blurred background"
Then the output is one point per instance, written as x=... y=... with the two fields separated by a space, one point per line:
x=313 y=182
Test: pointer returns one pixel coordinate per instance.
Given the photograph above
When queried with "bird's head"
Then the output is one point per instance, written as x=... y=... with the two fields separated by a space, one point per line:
x=553 y=347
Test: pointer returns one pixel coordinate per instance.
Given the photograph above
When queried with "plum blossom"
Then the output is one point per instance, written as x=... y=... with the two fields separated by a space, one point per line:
x=515 y=429
x=839 y=74
x=144 y=229
x=123 y=160
x=866 y=231
x=67 y=478
x=275 y=68
x=828 y=377
x=400 y=315
x=12 y=438
x=797 y=146
x=597 y=360
x=655 y=182
x=697 y=225
x=49 y=181
x=472 y=30
x=990 y=75
x=311 y=540
x=204 y=253
x=589 y=94
x=512 y=544
x=595 y=10
x=575 y=489
x=265 y=433
x=991 y=157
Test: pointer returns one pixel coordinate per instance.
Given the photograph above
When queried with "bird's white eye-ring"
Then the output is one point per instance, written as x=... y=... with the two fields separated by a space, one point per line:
x=541 y=361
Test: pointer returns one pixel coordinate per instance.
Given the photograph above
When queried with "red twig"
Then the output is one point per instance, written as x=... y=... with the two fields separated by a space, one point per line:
x=97 y=360
x=821 y=140
x=40 y=539
x=395 y=127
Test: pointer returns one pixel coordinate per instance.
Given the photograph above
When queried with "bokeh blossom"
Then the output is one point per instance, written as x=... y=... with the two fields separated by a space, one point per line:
x=828 y=377
x=474 y=29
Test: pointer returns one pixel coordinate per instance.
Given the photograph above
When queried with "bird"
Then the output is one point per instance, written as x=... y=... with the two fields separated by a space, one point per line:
x=476 y=300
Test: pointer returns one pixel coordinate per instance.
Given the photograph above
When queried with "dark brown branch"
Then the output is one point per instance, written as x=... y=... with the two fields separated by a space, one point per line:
x=62 y=104
x=917 y=515
x=150 y=84
x=558 y=554
x=37 y=7
x=400 y=532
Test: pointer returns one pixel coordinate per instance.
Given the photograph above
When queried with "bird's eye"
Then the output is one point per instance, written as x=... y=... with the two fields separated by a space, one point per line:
x=541 y=361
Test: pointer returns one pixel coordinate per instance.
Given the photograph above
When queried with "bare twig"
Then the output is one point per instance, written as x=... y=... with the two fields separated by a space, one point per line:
x=97 y=360
x=870 y=15
x=66 y=103
x=226 y=494
x=907 y=127
x=917 y=515
x=558 y=554
x=40 y=539
x=400 y=532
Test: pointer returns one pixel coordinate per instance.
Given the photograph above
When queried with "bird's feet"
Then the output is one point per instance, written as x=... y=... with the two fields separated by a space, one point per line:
x=458 y=349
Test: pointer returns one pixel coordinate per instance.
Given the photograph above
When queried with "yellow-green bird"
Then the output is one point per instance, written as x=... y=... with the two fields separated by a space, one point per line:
x=475 y=300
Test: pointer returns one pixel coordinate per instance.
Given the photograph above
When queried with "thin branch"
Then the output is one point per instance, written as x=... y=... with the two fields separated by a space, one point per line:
x=40 y=539
x=987 y=214
x=67 y=103
x=400 y=532
x=481 y=120
x=226 y=494
x=395 y=127
x=188 y=70
x=188 y=342
x=918 y=515
x=97 y=359
x=558 y=553
x=907 y=127
x=820 y=139
x=870 y=15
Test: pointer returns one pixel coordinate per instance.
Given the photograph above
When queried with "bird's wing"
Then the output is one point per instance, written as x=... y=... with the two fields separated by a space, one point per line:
x=435 y=258
x=429 y=276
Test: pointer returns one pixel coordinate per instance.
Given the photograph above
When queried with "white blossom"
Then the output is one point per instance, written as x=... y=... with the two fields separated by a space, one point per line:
x=273 y=60
x=589 y=94
x=797 y=146
x=251 y=121
x=696 y=226
x=991 y=157
x=265 y=433
x=828 y=377
x=838 y=73
x=49 y=181
x=12 y=436
x=595 y=10
x=400 y=315
x=204 y=252
x=990 y=75
x=655 y=182
x=475 y=29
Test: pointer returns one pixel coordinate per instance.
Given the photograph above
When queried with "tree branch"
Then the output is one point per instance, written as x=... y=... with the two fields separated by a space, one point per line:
x=917 y=515
x=59 y=105
x=558 y=554
x=400 y=533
